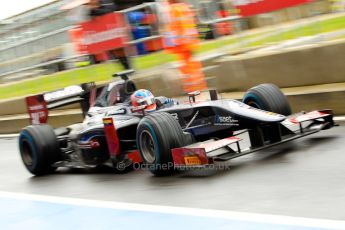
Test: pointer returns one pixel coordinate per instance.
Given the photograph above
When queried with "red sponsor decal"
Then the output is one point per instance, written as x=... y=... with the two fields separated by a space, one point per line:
x=37 y=109
x=253 y=7
x=190 y=156
x=135 y=157
x=111 y=136
x=104 y=33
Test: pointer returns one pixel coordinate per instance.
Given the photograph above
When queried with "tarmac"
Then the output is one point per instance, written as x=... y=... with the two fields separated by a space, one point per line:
x=303 y=178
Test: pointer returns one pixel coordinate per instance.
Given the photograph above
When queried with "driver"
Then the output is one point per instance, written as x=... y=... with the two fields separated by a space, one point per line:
x=145 y=97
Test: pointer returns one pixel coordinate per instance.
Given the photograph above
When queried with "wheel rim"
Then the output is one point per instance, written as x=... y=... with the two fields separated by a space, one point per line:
x=27 y=153
x=147 y=147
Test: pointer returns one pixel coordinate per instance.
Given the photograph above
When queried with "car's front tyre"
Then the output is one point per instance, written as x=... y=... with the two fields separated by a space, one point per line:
x=268 y=97
x=157 y=134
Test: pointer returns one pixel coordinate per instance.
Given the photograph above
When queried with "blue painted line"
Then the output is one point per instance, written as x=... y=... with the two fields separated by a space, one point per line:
x=27 y=214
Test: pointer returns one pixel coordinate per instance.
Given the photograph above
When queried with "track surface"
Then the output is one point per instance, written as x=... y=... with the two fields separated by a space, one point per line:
x=303 y=178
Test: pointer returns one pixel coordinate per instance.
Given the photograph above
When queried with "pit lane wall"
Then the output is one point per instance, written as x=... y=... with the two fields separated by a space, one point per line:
x=302 y=66
x=312 y=65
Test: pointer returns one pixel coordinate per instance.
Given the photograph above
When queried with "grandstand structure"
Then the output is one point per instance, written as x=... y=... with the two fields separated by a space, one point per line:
x=33 y=37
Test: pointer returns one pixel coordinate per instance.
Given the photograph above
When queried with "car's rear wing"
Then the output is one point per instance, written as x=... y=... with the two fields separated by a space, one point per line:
x=38 y=106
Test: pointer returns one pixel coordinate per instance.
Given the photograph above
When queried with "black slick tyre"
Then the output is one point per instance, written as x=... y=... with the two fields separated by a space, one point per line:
x=39 y=149
x=157 y=134
x=268 y=97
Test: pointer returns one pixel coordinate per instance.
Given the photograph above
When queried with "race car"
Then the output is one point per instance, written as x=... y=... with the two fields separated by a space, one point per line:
x=188 y=134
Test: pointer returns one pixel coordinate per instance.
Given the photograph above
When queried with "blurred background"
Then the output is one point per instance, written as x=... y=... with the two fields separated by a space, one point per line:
x=44 y=41
x=299 y=45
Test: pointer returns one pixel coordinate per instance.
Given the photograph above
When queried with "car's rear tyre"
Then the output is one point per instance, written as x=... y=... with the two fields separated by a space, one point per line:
x=157 y=134
x=268 y=97
x=39 y=149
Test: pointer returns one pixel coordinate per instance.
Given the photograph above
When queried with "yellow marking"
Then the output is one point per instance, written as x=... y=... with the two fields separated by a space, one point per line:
x=107 y=121
x=192 y=160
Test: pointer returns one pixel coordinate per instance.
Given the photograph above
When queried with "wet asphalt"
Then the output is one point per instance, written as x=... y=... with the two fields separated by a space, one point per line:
x=304 y=178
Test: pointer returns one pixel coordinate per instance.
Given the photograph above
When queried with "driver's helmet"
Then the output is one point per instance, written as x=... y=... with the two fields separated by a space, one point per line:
x=144 y=97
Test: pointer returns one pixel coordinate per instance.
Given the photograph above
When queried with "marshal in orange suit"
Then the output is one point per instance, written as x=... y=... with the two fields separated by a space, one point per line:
x=181 y=39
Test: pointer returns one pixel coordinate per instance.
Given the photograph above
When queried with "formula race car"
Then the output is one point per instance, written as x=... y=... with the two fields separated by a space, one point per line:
x=190 y=134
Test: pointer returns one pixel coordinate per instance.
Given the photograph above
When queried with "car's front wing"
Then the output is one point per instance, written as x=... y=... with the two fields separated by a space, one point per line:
x=205 y=153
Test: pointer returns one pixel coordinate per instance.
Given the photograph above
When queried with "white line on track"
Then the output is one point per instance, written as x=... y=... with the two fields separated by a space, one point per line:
x=210 y=213
x=9 y=135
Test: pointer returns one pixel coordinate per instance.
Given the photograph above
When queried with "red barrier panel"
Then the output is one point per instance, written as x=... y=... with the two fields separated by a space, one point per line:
x=104 y=33
x=76 y=36
x=250 y=8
